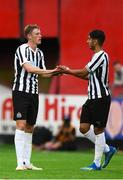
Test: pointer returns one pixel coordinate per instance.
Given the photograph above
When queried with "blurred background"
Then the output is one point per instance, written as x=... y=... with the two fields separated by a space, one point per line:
x=65 y=25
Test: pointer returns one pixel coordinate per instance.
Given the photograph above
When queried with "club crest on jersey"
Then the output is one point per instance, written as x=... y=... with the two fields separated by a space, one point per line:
x=19 y=115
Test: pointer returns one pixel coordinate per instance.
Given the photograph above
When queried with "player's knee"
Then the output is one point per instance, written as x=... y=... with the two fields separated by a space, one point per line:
x=84 y=128
x=98 y=130
x=20 y=125
x=29 y=128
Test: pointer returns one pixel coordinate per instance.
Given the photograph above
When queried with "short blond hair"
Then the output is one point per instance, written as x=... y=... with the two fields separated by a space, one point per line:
x=29 y=28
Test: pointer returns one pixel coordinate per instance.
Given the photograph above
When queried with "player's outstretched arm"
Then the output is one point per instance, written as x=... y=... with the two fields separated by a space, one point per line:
x=44 y=73
x=80 y=73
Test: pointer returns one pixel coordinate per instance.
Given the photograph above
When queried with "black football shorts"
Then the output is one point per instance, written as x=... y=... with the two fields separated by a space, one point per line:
x=95 y=111
x=25 y=106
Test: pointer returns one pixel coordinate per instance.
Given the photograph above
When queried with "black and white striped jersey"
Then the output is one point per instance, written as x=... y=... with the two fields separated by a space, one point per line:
x=98 y=75
x=24 y=81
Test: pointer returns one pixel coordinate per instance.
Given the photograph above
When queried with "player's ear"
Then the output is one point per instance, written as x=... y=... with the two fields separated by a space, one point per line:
x=29 y=36
x=95 y=41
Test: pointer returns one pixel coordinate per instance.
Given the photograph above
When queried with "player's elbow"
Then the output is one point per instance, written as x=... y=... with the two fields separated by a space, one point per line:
x=29 y=70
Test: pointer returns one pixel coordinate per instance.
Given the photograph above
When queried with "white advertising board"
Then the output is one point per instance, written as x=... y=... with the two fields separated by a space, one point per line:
x=51 y=110
x=53 y=107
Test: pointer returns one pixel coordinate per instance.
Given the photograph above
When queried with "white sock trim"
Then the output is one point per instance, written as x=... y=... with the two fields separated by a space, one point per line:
x=90 y=135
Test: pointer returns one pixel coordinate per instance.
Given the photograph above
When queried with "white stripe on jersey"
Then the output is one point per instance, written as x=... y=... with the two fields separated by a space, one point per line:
x=97 y=86
x=103 y=75
x=43 y=64
x=15 y=65
x=28 y=82
x=21 y=80
x=92 y=86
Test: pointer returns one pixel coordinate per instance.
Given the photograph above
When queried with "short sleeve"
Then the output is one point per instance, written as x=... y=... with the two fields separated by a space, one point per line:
x=95 y=62
x=21 y=54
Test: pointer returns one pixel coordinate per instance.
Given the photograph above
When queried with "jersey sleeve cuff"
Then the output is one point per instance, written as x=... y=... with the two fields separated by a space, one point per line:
x=87 y=67
x=26 y=61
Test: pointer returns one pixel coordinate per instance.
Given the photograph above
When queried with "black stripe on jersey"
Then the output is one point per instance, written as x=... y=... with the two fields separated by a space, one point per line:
x=17 y=55
x=96 y=61
x=20 y=55
x=19 y=69
x=28 y=54
x=24 y=80
x=31 y=81
x=40 y=65
x=95 y=89
x=35 y=83
x=90 y=85
x=37 y=59
x=105 y=80
x=26 y=49
x=33 y=57
x=106 y=76
x=30 y=84
x=36 y=87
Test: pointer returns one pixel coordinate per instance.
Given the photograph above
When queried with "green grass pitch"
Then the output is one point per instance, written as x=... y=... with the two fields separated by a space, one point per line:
x=58 y=165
